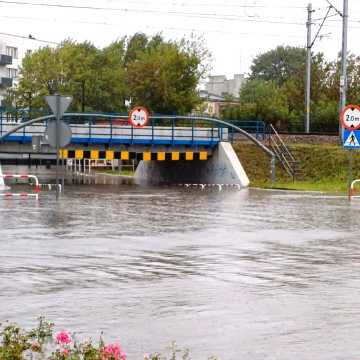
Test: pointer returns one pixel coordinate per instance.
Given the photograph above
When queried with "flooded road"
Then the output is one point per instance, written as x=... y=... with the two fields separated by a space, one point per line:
x=241 y=275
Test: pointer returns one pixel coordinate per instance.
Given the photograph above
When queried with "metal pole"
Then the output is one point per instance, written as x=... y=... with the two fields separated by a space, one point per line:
x=83 y=96
x=308 y=70
x=343 y=75
x=57 y=143
x=272 y=169
x=350 y=176
x=30 y=98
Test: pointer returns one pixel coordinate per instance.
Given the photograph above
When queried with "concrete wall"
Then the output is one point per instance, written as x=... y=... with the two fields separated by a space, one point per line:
x=223 y=167
x=220 y=85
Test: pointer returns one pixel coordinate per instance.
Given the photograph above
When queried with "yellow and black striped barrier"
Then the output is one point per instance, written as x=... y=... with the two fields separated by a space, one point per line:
x=126 y=155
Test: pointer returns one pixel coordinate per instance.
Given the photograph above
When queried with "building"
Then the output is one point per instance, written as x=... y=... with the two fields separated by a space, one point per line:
x=212 y=104
x=12 y=52
x=221 y=86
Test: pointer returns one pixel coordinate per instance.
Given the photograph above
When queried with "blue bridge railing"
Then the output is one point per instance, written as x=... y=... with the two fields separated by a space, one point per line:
x=114 y=129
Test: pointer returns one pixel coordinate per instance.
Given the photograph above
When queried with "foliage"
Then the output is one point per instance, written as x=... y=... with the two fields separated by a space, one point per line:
x=164 y=78
x=41 y=343
x=324 y=167
x=260 y=100
x=279 y=64
x=275 y=91
x=162 y=75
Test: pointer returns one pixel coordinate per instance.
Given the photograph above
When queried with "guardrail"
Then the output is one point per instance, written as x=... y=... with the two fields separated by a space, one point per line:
x=255 y=127
x=114 y=128
x=21 y=195
x=23 y=177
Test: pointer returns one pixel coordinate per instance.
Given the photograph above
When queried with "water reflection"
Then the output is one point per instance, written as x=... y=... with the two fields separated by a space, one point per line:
x=239 y=274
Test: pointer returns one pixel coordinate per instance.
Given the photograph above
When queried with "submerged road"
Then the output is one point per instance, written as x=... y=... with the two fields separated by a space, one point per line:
x=241 y=275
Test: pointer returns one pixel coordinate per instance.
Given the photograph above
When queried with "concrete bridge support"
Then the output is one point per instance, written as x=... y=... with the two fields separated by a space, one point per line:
x=223 y=167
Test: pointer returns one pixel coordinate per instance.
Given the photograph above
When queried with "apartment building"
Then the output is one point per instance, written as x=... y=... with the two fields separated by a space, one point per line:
x=12 y=51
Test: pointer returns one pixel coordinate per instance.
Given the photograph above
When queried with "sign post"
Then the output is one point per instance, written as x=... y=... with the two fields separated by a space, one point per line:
x=58 y=105
x=350 y=122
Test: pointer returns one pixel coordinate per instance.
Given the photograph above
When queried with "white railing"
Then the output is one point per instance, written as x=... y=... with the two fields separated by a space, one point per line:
x=352 y=191
x=18 y=195
x=23 y=177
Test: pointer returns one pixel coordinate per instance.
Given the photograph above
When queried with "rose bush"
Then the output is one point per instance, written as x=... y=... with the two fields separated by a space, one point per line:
x=41 y=343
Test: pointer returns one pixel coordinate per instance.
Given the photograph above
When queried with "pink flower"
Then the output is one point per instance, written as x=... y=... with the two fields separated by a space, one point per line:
x=146 y=356
x=112 y=352
x=65 y=353
x=63 y=337
x=35 y=346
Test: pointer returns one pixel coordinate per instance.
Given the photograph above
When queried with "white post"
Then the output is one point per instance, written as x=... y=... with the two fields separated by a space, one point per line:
x=2 y=183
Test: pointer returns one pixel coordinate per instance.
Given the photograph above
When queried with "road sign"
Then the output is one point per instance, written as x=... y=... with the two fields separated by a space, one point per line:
x=64 y=134
x=65 y=101
x=351 y=139
x=350 y=117
x=139 y=116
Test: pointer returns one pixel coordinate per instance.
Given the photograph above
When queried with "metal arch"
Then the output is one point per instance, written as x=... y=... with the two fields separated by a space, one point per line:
x=20 y=126
x=243 y=132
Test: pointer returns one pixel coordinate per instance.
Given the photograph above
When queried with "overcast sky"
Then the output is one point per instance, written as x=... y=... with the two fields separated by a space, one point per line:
x=235 y=31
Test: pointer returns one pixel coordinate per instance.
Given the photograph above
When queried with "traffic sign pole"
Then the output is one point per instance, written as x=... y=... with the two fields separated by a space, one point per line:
x=58 y=104
x=57 y=143
x=350 y=176
x=350 y=131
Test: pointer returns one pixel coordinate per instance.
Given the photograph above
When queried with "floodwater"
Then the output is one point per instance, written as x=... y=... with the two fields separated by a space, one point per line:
x=238 y=274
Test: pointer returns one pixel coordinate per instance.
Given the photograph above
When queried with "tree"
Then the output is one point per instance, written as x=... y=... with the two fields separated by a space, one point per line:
x=165 y=75
x=260 y=100
x=277 y=85
x=162 y=75
x=279 y=64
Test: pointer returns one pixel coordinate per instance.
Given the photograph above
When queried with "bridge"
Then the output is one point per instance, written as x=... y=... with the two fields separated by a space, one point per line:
x=170 y=149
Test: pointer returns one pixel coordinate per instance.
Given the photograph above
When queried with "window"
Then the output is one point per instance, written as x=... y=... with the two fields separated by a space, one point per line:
x=12 y=73
x=12 y=51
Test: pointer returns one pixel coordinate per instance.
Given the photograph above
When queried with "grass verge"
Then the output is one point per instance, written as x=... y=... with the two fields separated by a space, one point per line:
x=324 y=167
x=326 y=185
x=116 y=172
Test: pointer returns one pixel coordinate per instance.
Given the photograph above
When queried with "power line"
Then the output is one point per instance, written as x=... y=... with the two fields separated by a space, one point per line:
x=213 y=16
x=217 y=4
x=29 y=37
x=147 y=26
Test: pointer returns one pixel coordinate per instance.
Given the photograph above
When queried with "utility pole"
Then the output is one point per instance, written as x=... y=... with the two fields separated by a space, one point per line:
x=308 y=70
x=343 y=75
x=309 y=46
x=83 y=96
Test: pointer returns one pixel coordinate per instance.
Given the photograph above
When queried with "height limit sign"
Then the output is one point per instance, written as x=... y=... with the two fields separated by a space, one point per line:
x=350 y=121
x=350 y=117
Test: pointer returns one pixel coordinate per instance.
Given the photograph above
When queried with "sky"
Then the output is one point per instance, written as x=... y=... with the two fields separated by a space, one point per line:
x=235 y=31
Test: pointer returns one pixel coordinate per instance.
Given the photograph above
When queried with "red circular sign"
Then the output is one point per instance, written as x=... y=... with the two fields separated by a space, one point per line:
x=139 y=116
x=350 y=117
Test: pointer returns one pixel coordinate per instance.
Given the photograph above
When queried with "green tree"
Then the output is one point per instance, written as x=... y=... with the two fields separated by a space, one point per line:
x=279 y=64
x=260 y=100
x=165 y=76
x=274 y=76
x=162 y=75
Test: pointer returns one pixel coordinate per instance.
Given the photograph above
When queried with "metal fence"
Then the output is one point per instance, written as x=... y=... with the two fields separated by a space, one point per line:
x=113 y=128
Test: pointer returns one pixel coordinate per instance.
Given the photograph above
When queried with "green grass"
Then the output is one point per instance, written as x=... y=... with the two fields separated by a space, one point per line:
x=324 y=167
x=325 y=185
x=117 y=172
